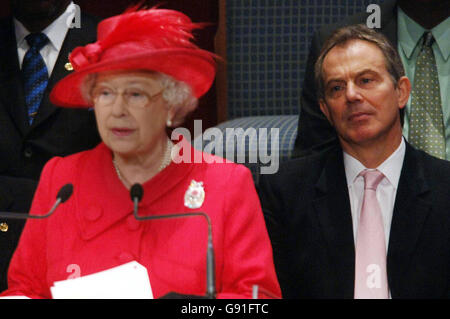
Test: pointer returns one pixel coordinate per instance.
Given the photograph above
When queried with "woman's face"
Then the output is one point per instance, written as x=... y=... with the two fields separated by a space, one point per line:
x=130 y=111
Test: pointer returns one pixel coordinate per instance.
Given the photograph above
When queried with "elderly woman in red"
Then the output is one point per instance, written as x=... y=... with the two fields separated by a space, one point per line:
x=142 y=75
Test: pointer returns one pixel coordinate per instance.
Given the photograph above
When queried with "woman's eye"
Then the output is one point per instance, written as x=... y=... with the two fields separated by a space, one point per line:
x=101 y=91
x=136 y=96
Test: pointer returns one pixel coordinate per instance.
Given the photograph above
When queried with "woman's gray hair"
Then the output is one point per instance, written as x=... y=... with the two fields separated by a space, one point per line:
x=175 y=93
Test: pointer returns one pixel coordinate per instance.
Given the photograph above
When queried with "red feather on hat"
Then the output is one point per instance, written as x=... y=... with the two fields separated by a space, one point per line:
x=160 y=28
x=153 y=39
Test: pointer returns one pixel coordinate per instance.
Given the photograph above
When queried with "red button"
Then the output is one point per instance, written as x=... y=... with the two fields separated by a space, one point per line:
x=93 y=213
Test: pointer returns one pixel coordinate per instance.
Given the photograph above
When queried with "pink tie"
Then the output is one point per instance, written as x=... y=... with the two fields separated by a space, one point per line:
x=370 y=261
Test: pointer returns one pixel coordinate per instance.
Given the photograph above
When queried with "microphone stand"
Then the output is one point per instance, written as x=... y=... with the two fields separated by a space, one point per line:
x=63 y=195
x=210 y=260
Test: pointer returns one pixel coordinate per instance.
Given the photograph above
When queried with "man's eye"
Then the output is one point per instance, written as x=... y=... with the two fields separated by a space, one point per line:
x=335 y=88
x=366 y=80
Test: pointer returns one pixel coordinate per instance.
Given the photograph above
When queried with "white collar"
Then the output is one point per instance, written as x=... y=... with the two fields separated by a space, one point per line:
x=391 y=167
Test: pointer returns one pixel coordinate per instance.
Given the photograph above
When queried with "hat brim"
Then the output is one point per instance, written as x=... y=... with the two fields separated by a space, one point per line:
x=194 y=67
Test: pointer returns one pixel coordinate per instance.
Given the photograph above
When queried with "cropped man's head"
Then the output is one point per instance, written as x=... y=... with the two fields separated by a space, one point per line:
x=38 y=12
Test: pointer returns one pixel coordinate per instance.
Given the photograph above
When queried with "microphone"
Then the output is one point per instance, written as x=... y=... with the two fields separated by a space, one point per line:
x=137 y=192
x=63 y=195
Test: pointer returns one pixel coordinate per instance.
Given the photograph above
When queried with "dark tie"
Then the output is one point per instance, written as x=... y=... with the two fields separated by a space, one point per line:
x=426 y=122
x=35 y=73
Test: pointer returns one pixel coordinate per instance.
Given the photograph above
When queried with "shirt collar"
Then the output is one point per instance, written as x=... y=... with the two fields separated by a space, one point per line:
x=410 y=32
x=441 y=33
x=56 y=31
x=391 y=167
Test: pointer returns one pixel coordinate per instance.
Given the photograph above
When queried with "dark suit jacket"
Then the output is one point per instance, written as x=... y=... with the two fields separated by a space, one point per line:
x=307 y=211
x=55 y=131
x=314 y=131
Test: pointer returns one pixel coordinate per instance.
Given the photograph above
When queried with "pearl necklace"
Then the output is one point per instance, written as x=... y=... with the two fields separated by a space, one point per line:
x=167 y=159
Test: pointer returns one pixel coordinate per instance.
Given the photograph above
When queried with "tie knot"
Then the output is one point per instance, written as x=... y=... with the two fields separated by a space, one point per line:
x=428 y=39
x=371 y=178
x=36 y=40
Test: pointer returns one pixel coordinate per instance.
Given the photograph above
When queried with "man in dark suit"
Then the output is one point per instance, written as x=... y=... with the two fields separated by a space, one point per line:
x=322 y=241
x=25 y=147
x=314 y=131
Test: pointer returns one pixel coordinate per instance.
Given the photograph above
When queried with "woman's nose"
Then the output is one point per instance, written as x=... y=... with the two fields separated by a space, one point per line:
x=119 y=107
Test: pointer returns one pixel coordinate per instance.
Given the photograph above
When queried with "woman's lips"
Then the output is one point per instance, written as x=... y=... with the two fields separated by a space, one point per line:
x=121 y=132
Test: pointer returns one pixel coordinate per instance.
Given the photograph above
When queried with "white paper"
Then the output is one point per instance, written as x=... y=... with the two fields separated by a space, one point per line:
x=127 y=281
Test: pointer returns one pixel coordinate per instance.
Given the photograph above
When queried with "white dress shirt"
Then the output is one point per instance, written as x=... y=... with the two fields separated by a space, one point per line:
x=56 y=32
x=386 y=190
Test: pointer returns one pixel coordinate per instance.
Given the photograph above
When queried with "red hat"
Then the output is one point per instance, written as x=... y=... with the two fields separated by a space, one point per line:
x=151 y=39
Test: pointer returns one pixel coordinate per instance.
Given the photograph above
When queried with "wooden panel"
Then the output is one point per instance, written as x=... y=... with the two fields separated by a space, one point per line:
x=221 y=78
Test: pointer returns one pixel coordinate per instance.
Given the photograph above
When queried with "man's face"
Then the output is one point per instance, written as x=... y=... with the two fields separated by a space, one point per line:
x=361 y=100
x=28 y=10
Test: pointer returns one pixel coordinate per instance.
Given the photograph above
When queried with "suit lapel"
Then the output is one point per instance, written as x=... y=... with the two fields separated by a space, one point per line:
x=11 y=90
x=410 y=212
x=332 y=206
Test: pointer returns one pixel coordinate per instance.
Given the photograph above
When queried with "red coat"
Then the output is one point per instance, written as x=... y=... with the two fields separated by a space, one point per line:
x=96 y=230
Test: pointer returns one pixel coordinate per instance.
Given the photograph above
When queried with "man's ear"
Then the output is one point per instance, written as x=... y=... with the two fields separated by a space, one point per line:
x=325 y=111
x=403 y=91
